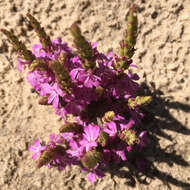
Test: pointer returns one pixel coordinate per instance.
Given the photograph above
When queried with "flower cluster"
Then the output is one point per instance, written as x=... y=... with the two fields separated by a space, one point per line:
x=94 y=94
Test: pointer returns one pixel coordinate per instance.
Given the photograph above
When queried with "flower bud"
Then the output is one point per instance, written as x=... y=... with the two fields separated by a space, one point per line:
x=46 y=157
x=139 y=101
x=62 y=75
x=103 y=138
x=49 y=154
x=90 y=159
x=19 y=46
x=127 y=44
x=71 y=127
x=84 y=48
x=128 y=136
x=108 y=116
x=44 y=38
x=38 y=63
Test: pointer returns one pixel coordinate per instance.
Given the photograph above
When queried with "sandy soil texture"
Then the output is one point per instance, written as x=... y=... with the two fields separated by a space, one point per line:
x=163 y=59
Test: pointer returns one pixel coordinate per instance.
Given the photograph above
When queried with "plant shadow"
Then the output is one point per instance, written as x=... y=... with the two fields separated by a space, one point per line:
x=157 y=119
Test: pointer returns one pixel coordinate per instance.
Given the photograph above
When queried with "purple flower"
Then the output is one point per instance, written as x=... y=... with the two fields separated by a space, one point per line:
x=21 y=63
x=74 y=107
x=128 y=125
x=40 y=81
x=68 y=136
x=36 y=149
x=55 y=92
x=85 y=95
x=94 y=174
x=76 y=149
x=129 y=148
x=123 y=87
x=111 y=128
x=119 y=152
x=106 y=156
x=91 y=133
x=86 y=78
x=55 y=139
x=61 y=161
x=38 y=51
x=136 y=115
x=142 y=140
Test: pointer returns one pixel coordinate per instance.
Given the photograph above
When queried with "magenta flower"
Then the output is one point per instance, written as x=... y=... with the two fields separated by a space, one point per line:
x=111 y=128
x=38 y=50
x=61 y=161
x=119 y=152
x=55 y=92
x=76 y=149
x=86 y=78
x=94 y=174
x=122 y=87
x=36 y=149
x=106 y=156
x=21 y=63
x=40 y=81
x=91 y=133
x=67 y=136
x=55 y=139
x=143 y=140
x=128 y=125
x=119 y=155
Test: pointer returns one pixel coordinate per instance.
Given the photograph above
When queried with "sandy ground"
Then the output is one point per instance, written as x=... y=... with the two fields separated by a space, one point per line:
x=162 y=56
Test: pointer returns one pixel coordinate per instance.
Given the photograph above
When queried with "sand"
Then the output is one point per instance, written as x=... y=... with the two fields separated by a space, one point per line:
x=162 y=56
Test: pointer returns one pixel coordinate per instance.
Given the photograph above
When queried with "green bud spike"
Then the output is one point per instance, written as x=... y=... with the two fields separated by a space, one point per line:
x=108 y=116
x=44 y=38
x=61 y=73
x=46 y=157
x=84 y=48
x=49 y=154
x=103 y=138
x=127 y=44
x=38 y=63
x=71 y=127
x=19 y=46
x=139 y=101
x=128 y=136
x=90 y=159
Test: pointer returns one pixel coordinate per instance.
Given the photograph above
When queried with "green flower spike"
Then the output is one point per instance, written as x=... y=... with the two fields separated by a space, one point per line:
x=108 y=116
x=49 y=154
x=38 y=63
x=128 y=136
x=139 y=101
x=61 y=73
x=84 y=48
x=44 y=38
x=127 y=44
x=19 y=46
x=103 y=138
